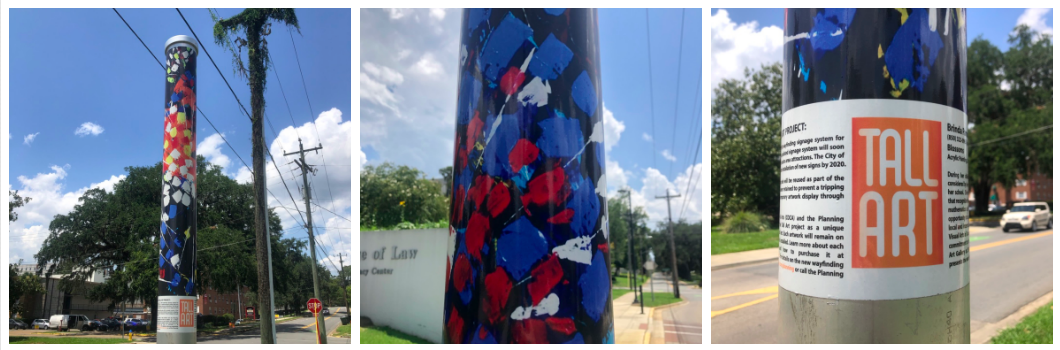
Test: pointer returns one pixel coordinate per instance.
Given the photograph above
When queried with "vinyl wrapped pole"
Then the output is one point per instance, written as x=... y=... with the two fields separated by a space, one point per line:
x=528 y=246
x=874 y=187
x=177 y=250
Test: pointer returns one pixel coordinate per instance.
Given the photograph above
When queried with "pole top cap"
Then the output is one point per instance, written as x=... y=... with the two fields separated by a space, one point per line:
x=181 y=40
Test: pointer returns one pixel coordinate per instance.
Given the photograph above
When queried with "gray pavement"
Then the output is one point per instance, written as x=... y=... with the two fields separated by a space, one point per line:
x=682 y=324
x=1004 y=277
x=299 y=331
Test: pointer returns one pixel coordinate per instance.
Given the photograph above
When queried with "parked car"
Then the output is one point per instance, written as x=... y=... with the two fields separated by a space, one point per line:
x=112 y=324
x=97 y=325
x=40 y=323
x=1027 y=216
x=16 y=324
x=326 y=311
x=67 y=322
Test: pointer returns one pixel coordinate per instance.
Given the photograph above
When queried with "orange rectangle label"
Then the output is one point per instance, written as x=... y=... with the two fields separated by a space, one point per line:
x=187 y=313
x=897 y=193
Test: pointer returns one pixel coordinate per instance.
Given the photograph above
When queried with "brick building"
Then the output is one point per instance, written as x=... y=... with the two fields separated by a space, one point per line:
x=1036 y=188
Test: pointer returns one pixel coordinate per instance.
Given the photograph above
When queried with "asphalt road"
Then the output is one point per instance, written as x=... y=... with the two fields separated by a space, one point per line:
x=299 y=331
x=681 y=324
x=1004 y=277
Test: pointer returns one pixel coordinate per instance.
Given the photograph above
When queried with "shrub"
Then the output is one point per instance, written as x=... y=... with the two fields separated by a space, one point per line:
x=744 y=222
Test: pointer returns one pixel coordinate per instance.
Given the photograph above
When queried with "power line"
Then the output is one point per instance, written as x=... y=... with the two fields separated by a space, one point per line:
x=696 y=122
x=138 y=38
x=332 y=213
x=1013 y=135
x=214 y=64
x=677 y=94
x=651 y=90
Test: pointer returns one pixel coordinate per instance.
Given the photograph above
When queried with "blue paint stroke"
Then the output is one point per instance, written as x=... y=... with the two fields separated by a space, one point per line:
x=501 y=143
x=576 y=340
x=489 y=336
x=584 y=94
x=519 y=247
x=475 y=17
x=560 y=137
x=610 y=338
x=586 y=207
x=829 y=29
x=551 y=59
x=802 y=67
x=555 y=12
x=172 y=210
x=470 y=90
x=190 y=286
x=824 y=88
x=595 y=286
x=502 y=45
x=910 y=40
x=176 y=279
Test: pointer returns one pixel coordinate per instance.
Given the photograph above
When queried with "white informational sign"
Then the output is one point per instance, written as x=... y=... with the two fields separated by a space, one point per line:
x=649 y=265
x=176 y=314
x=874 y=200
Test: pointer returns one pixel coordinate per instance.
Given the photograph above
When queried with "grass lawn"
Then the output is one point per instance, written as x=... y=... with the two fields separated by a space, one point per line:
x=387 y=335
x=721 y=243
x=615 y=293
x=67 y=340
x=1036 y=328
x=342 y=332
x=623 y=280
x=661 y=298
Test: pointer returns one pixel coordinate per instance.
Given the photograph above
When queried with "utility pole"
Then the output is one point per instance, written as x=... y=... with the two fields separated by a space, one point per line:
x=857 y=265
x=632 y=253
x=255 y=25
x=306 y=169
x=345 y=298
x=673 y=249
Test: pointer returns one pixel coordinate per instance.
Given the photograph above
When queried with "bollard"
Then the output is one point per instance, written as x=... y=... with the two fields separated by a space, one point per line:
x=528 y=244
x=873 y=209
x=176 y=261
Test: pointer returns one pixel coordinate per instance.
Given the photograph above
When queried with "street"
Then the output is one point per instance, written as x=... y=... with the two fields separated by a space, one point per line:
x=1008 y=270
x=682 y=324
x=299 y=331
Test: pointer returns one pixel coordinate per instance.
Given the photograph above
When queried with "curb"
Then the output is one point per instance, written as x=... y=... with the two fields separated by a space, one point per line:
x=988 y=331
x=647 y=333
x=742 y=263
x=682 y=302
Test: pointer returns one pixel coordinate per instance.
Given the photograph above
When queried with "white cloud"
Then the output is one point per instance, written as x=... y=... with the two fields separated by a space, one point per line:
x=656 y=184
x=612 y=129
x=378 y=93
x=49 y=198
x=646 y=137
x=666 y=154
x=210 y=148
x=438 y=14
x=364 y=158
x=427 y=65
x=398 y=13
x=385 y=75
x=734 y=47
x=29 y=138
x=1035 y=18
x=89 y=128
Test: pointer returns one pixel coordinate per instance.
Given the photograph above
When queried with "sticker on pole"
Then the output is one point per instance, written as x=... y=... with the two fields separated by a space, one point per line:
x=874 y=200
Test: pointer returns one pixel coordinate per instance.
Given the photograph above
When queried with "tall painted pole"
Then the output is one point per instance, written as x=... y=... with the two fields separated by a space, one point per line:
x=176 y=261
x=528 y=242
x=873 y=209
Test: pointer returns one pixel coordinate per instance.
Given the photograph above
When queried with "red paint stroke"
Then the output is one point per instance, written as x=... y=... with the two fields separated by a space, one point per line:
x=458 y=200
x=562 y=325
x=455 y=327
x=563 y=217
x=550 y=187
x=498 y=286
x=512 y=80
x=461 y=273
x=477 y=230
x=474 y=130
x=499 y=200
x=524 y=153
x=447 y=269
x=461 y=156
x=478 y=191
x=546 y=276
x=482 y=333
x=602 y=247
x=162 y=273
x=530 y=331
x=184 y=86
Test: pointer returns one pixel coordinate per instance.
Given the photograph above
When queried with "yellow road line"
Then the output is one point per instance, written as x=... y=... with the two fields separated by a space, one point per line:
x=1007 y=241
x=737 y=307
x=774 y=289
x=311 y=324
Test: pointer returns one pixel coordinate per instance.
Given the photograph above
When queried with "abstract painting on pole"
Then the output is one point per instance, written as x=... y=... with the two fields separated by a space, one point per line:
x=528 y=258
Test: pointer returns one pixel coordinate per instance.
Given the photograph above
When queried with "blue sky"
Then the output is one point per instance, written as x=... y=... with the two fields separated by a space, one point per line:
x=413 y=54
x=750 y=37
x=71 y=67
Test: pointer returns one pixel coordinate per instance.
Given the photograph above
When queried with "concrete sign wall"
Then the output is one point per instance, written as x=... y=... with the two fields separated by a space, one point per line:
x=403 y=280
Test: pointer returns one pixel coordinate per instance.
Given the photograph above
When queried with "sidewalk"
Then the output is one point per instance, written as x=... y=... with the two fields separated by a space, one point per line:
x=721 y=261
x=630 y=324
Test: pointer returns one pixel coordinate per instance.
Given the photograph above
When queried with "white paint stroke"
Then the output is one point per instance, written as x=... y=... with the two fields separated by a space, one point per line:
x=535 y=92
x=796 y=36
x=576 y=249
x=548 y=306
x=932 y=19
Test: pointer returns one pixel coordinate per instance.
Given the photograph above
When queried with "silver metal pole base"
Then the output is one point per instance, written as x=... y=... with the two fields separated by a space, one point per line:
x=177 y=338
x=939 y=319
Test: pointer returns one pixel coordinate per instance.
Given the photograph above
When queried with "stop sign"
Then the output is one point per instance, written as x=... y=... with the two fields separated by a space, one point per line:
x=314 y=305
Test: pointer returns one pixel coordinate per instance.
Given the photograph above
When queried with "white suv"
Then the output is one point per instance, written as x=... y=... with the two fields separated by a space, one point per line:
x=1027 y=215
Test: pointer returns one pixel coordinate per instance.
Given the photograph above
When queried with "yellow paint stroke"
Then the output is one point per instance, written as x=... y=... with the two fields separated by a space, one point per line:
x=887 y=74
x=901 y=87
x=879 y=51
x=181 y=118
x=173 y=132
x=187 y=149
x=187 y=233
x=737 y=307
x=169 y=160
x=905 y=14
x=960 y=18
x=1007 y=241
x=165 y=144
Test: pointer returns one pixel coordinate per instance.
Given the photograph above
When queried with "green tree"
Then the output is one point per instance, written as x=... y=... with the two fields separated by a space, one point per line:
x=688 y=238
x=15 y=202
x=618 y=233
x=19 y=285
x=447 y=179
x=392 y=194
x=745 y=143
x=998 y=148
